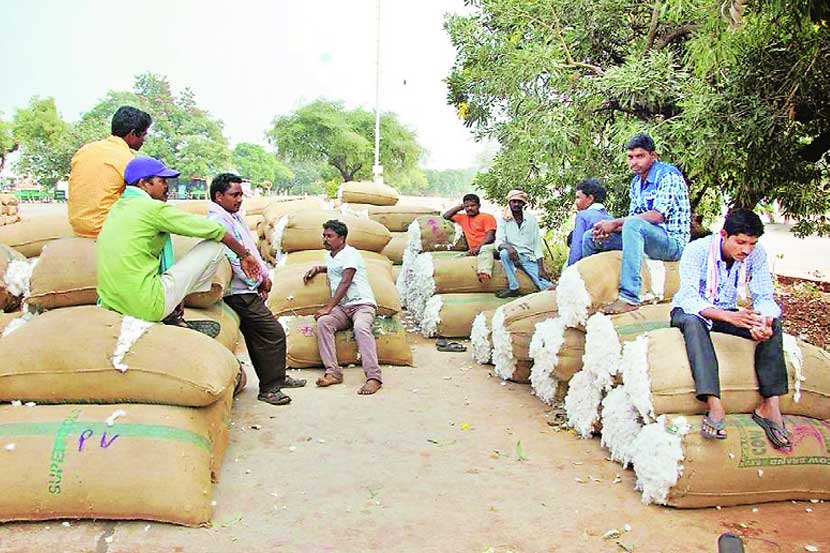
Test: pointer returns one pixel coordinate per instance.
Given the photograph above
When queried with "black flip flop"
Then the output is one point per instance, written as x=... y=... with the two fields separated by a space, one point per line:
x=441 y=342
x=274 y=397
x=773 y=432
x=207 y=327
x=452 y=347
x=730 y=543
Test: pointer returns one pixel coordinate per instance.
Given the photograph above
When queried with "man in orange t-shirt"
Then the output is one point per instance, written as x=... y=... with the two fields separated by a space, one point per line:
x=479 y=231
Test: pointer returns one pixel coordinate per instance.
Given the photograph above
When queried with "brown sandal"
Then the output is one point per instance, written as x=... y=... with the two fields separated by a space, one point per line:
x=329 y=379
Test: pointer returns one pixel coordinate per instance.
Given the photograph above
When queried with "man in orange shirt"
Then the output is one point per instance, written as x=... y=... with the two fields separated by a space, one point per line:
x=479 y=231
x=96 y=175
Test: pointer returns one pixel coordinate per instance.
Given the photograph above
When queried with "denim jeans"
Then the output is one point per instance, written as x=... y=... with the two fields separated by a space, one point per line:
x=528 y=265
x=638 y=238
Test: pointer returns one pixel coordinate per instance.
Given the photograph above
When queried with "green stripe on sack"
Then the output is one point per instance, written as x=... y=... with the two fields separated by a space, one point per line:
x=461 y=300
x=639 y=328
x=132 y=430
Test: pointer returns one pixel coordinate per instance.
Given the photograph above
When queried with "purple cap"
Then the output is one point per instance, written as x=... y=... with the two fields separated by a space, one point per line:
x=146 y=167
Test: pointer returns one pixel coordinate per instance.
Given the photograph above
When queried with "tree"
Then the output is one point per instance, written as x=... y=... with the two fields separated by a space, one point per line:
x=324 y=131
x=41 y=134
x=7 y=142
x=734 y=93
x=254 y=163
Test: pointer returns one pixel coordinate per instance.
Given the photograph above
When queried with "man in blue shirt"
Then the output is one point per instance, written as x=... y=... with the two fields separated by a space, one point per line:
x=658 y=224
x=590 y=193
x=714 y=271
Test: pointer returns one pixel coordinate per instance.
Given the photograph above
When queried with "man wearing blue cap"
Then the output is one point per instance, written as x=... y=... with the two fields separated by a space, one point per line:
x=136 y=272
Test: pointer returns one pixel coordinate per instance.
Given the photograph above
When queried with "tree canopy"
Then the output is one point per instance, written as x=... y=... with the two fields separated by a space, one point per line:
x=734 y=93
x=324 y=131
x=254 y=163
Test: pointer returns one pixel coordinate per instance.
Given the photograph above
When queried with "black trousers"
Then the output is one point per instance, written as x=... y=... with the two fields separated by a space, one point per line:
x=264 y=337
x=770 y=367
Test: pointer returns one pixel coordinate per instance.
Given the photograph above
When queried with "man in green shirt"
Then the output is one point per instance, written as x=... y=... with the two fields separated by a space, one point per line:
x=136 y=272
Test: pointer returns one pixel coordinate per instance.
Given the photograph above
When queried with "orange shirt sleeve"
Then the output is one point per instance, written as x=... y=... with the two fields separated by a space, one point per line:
x=489 y=222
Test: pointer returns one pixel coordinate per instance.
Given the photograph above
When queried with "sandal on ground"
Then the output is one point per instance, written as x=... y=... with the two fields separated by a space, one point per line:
x=329 y=379
x=291 y=382
x=274 y=397
x=365 y=391
x=776 y=434
x=452 y=347
x=441 y=342
x=209 y=328
x=619 y=306
x=712 y=430
x=241 y=381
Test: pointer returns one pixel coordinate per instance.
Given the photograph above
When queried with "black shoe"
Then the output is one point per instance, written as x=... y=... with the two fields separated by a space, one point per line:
x=209 y=328
x=508 y=293
x=291 y=382
x=274 y=397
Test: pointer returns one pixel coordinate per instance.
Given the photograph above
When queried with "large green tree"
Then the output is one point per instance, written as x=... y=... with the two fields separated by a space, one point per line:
x=43 y=138
x=7 y=141
x=734 y=93
x=324 y=131
x=255 y=163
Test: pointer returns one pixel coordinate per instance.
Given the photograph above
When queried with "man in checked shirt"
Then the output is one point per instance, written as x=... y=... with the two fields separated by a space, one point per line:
x=658 y=223
x=714 y=271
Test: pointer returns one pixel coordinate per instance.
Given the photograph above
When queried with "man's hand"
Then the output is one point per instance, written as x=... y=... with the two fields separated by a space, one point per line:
x=543 y=272
x=474 y=251
x=511 y=253
x=763 y=332
x=322 y=312
x=250 y=266
x=310 y=274
x=745 y=318
x=602 y=229
x=264 y=288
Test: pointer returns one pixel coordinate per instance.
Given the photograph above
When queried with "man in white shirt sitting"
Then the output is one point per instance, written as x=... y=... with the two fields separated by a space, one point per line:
x=352 y=303
x=519 y=243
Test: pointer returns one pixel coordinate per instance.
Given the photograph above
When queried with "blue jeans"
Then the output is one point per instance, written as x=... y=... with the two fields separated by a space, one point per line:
x=528 y=265
x=638 y=238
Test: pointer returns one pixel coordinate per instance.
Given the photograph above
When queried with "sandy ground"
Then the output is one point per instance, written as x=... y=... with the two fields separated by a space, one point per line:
x=429 y=464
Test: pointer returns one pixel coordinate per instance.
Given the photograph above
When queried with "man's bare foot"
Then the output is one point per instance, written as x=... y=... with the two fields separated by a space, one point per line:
x=619 y=306
x=483 y=278
x=329 y=379
x=369 y=388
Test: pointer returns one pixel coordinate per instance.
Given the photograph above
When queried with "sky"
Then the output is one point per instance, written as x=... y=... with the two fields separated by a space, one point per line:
x=246 y=61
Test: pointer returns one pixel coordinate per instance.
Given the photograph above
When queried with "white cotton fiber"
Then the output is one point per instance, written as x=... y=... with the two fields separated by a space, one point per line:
x=276 y=238
x=347 y=209
x=421 y=286
x=18 y=277
x=480 y=339
x=286 y=322
x=544 y=349
x=657 y=455
x=793 y=354
x=621 y=424
x=602 y=350
x=582 y=404
x=131 y=330
x=459 y=234
x=572 y=297
x=503 y=359
x=432 y=316
x=657 y=273
x=636 y=376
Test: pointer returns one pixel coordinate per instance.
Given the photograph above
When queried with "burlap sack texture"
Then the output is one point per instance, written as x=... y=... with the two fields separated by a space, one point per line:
x=303 y=231
x=367 y=192
x=29 y=236
x=457 y=311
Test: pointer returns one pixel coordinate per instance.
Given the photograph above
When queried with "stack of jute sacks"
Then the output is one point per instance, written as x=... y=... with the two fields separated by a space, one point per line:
x=439 y=282
x=296 y=246
x=128 y=419
x=9 y=213
x=252 y=208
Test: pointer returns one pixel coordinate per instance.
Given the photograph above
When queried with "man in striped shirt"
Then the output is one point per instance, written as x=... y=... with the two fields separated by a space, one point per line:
x=714 y=271
x=658 y=224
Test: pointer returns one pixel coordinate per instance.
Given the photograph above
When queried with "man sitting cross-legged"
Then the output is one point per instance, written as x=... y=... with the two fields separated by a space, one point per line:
x=352 y=303
x=519 y=243
x=713 y=271
x=479 y=232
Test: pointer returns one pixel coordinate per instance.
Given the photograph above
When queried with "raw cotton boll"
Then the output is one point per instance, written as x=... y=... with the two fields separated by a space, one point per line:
x=405 y=276
x=796 y=359
x=602 y=350
x=502 y=347
x=657 y=273
x=572 y=297
x=582 y=404
x=432 y=316
x=286 y=322
x=18 y=277
x=657 y=455
x=413 y=242
x=276 y=238
x=636 y=377
x=131 y=330
x=17 y=323
x=621 y=424
x=544 y=349
x=421 y=286
x=480 y=340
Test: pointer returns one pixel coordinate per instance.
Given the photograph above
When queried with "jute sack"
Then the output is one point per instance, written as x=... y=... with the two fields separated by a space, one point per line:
x=226 y=317
x=595 y=280
x=434 y=233
x=152 y=463
x=318 y=257
x=196 y=207
x=6 y=318
x=303 y=231
x=256 y=205
x=742 y=469
x=9 y=199
x=221 y=278
x=628 y=326
x=29 y=236
x=252 y=222
x=673 y=390
x=396 y=272
x=11 y=219
x=9 y=210
x=367 y=192
x=276 y=209
x=452 y=315
x=65 y=275
x=290 y=296
x=458 y=275
x=395 y=248
x=543 y=302
x=397 y=218
x=66 y=355
x=7 y=255
x=302 y=351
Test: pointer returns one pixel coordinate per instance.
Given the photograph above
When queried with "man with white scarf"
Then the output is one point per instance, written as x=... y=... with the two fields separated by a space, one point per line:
x=714 y=272
x=519 y=243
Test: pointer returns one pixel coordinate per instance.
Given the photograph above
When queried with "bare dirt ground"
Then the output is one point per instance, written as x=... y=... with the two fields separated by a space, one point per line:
x=432 y=463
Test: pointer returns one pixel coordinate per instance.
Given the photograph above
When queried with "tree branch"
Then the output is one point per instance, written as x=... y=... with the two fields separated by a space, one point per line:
x=652 y=28
x=674 y=35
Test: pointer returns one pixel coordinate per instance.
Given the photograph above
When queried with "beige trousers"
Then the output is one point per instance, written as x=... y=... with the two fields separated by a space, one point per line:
x=192 y=273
